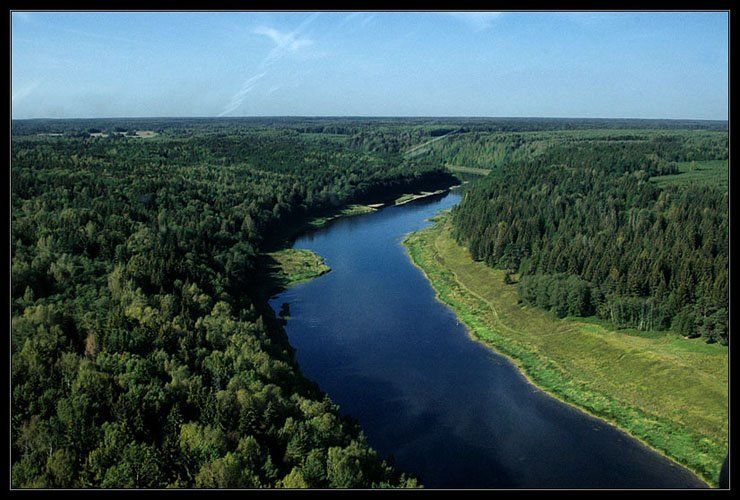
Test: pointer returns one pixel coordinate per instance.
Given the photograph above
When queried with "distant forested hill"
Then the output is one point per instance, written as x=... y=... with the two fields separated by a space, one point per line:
x=582 y=219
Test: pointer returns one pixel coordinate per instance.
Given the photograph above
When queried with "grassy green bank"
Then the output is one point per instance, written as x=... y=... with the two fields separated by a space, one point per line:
x=291 y=266
x=667 y=391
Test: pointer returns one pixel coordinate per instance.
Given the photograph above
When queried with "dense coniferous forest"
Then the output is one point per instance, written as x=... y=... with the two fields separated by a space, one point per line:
x=589 y=232
x=144 y=353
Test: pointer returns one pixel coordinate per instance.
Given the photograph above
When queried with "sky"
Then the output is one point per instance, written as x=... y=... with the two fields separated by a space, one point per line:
x=508 y=64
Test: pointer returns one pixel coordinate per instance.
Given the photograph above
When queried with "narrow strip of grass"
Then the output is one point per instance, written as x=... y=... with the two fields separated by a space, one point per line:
x=668 y=392
x=406 y=198
x=347 y=211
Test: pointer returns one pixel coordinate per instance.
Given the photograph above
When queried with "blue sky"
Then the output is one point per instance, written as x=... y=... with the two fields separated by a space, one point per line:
x=628 y=65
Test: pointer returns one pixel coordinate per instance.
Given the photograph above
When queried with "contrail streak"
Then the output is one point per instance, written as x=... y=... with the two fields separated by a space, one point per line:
x=284 y=43
x=24 y=91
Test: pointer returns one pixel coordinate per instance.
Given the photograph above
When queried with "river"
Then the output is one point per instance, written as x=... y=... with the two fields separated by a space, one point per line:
x=449 y=410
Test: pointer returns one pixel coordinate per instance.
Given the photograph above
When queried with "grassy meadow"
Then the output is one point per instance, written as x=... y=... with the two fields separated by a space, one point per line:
x=667 y=391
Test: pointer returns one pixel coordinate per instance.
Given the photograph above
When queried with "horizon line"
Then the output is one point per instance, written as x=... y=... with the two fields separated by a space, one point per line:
x=466 y=117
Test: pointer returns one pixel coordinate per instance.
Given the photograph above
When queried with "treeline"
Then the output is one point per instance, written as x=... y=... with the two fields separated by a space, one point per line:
x=143 y=351
x=350 y=126
x=590 y=234
x=621 y=149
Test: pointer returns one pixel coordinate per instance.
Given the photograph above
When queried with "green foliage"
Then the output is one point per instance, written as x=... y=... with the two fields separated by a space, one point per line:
x=712 y=173
x=590 y=233
x=291 y=266
x=655 y=151
x=144 y=353
x=565 y=295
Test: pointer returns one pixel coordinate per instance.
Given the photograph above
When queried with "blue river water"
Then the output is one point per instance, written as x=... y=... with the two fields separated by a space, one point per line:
x=447 y=409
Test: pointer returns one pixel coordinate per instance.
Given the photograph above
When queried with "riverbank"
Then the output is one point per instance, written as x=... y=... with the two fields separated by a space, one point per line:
x=668 y=392
x=280 y=266
x=283 y=234
x=282 y=269
x=407 y=198
x=348 y=211
x=292 y=266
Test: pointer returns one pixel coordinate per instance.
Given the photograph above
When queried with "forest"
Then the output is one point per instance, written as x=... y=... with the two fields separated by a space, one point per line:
x=143 y=350
x=144 y=353
x=586 y=229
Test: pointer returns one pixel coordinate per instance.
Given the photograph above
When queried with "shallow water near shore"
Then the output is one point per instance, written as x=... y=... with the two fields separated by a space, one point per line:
x=449 y=410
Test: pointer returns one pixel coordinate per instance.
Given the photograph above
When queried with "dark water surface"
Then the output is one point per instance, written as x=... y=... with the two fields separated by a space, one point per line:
x=451 y=411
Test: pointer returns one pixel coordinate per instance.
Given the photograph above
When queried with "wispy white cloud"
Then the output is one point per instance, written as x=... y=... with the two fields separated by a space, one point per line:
x=479 y=21
x=285 y=43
